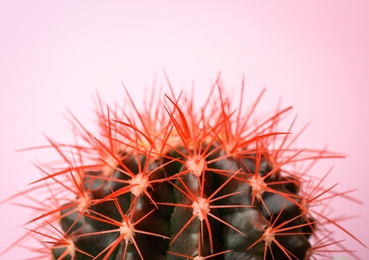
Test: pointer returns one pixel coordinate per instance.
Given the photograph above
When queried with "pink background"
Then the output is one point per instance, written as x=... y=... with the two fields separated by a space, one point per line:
x=56 y=55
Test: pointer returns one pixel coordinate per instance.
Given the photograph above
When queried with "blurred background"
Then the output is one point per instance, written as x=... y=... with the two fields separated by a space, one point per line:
x=312 y=55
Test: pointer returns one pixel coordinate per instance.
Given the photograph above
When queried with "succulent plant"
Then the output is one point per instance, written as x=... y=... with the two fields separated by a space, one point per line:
x=177 y=181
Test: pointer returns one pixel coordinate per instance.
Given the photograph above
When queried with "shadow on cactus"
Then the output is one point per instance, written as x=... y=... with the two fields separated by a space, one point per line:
x=177 y=181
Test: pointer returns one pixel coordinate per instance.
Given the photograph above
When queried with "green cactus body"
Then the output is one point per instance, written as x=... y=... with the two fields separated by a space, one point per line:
x=174 y=183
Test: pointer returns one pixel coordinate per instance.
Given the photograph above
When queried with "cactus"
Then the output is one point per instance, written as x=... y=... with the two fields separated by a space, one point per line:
x=172 y=181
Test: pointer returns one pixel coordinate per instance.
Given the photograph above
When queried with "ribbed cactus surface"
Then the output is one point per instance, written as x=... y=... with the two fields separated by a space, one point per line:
x=187 y=203
x=177 y=181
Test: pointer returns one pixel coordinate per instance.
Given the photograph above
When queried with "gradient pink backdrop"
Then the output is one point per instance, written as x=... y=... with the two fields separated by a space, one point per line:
x=56 y=55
